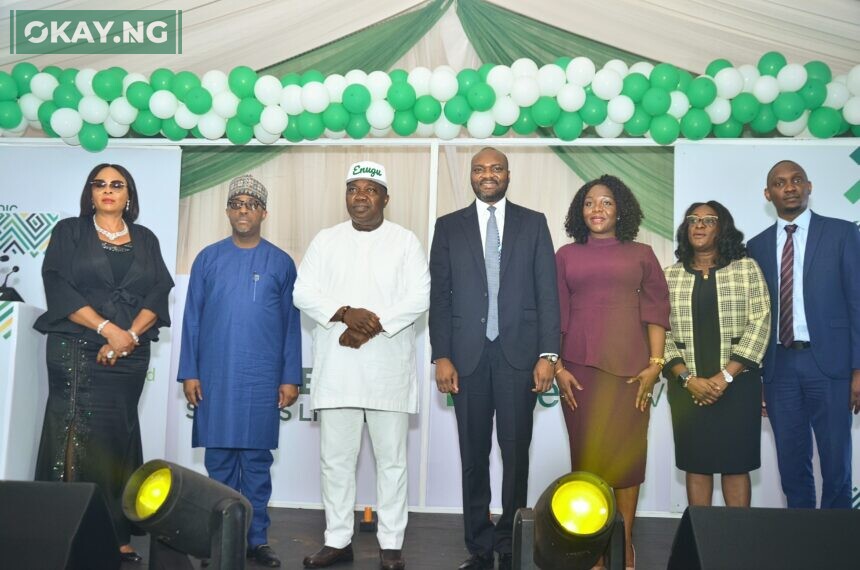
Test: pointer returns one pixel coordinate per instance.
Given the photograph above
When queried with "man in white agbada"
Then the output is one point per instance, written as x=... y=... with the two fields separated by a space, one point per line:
x=364 y=282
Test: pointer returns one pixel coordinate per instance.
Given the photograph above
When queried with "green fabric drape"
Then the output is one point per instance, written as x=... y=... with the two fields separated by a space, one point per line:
x=501 y=36
x=376 y=47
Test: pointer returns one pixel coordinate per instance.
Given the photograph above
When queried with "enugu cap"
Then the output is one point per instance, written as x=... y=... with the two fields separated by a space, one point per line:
x=367 y=170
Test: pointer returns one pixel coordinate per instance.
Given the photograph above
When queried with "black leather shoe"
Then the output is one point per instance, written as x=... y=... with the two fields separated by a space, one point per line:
x=478 y=562
x=506 y=561
x=264 y=556
x=326 y=556
x=390 y=559
x=132 y=557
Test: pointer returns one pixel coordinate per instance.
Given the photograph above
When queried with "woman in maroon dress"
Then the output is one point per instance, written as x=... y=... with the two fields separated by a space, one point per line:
x=614 y=314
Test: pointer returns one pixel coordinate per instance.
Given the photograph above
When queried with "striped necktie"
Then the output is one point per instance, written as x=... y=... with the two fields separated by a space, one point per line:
x=786 y=289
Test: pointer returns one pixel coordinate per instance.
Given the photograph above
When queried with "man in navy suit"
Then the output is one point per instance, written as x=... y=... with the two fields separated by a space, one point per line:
x=812 y=365
x=494 y=330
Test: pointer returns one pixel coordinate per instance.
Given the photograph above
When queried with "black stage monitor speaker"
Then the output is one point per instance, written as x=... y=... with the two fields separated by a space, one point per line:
x=711 y=538
x=56 y=526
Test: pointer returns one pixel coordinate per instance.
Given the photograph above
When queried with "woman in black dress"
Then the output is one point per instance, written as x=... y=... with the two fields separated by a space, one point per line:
x=106 y=287
x=720 y=326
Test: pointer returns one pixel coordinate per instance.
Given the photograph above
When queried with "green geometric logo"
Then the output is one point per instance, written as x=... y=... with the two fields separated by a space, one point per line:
x=26 y=233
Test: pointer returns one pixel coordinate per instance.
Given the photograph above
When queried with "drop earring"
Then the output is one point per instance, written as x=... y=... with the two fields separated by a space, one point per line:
x=127 y=205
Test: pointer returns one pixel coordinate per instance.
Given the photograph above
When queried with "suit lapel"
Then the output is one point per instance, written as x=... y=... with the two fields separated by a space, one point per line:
x=472 y=235
x=511 y=231
x=815 y=231
x=769 y=268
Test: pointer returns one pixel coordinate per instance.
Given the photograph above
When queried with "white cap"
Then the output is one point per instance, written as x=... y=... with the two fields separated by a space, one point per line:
x=367 y=170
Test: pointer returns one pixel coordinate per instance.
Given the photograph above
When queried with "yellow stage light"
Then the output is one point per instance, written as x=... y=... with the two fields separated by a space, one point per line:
x=580 y=507
x=152 y=493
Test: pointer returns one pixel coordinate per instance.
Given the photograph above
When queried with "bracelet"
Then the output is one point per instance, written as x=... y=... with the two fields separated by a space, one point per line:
x=658 y=361
x=102 y=326
x=134 y=336
x=559 y=369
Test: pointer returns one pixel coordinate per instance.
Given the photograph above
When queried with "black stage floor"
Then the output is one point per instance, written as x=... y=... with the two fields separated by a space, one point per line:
x=433 y=541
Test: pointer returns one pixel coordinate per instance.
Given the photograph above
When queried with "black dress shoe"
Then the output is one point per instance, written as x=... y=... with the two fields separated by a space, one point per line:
x=478 y=562
x=390 y=559
x=506 y=561
x=264 y=556
x=132 y=557
x=326 y=556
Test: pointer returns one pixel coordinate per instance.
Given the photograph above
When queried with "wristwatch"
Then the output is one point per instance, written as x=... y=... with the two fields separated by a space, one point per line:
x=551 y=358
x=684 y=378
x=728 y=377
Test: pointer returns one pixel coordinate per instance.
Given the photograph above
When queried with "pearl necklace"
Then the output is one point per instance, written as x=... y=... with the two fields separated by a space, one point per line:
x=111 y=235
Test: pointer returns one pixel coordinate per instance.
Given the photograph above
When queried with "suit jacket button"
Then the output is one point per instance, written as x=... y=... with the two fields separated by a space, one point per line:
x=485 y=293
x=483 y=320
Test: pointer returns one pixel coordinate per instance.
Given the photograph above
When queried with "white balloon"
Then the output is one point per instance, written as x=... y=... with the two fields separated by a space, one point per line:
x=37 y=125
x=750 y=74
x=525 y=91
x=642 y=67
x=609 y=129
x=620 y=109
x=680 y=104
x=122 y=112
x=93 y=109
x=571 y=97
x=274 y=119
x=355 y=76
x=314 y=97
x=419 y=79
x=42 y=85
x=617 y=66
x=66 y=122
x=185 y=118
x=550 y=79
x=805 y=134
x=729 y=82
x=380 y=114
x=580 y=71
x=853 y=80
x=719 y=111
x=267 y=90
x=793 y=128
x=335 y=84
x=215 y=81
x=766 y=89
x=334 y=134
x=114 y=129
x=265 y=136
x=212 y=125
x=505 y=111
x=445 y=129
x=841 y=78
x=501 y=79
x=837 y=95
x=607 y=84
x=163 y=104
x=30 y=104
x=291 y=100
x=424 y=130
x=524 y=67
x=851 y=110
x=791 y=77
x=443 y=85
x=380 y=133
x=72 y=141
x=378 y=83
x=84 y=81
x=127 y=80
x=481 y=124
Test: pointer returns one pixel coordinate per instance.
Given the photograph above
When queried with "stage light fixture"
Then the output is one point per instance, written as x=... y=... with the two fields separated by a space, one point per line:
x=185 y=513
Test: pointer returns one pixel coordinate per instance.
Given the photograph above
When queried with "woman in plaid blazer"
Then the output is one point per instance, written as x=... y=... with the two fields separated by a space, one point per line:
x=720 y=326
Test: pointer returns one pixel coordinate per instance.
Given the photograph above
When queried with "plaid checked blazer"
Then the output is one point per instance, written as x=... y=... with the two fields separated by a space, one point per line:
x=744 y=311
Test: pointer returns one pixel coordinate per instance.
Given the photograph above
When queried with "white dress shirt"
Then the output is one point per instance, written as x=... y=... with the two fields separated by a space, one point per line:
x=801 y=330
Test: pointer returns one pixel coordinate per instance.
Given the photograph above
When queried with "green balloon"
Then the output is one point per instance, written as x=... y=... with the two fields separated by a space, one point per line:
x=563 y=61
x=818 y=70
x=701 y=92
x=665 y=76
x=466 y=79
x=173 y=131
x=656 y=101
x=68 y=75
x=183 y=83
x=427 y=109
x=398 y=75
x=93 y=138
x=107 y=85
x=404 y=123
x=22 y=73
x=745 y=107
x=249 y=111
x=311 y=125
x=546 y=111
x=731 y=129
x=593 y=111
x=66 y=95
x=291 y=79
x=335 y=117
x=238 y=132
x=696 y=124
x=824 y=122
x=198 y=100
x=770 y=63
x=635 y=85
x=715 y=66
x=358 y=127
x=161 y=79
x=765 y=121
x=639 y=123
x=241 y=81
x=52 y=70
x=356 y=99
x=46 y=109
x=855 y=130
x=684 y=79
x=146 y=123
x=814 y=93
x=484 y=70
x=665 y=129
x=401 y=96
x=844 y=128
x=291 y=133
x=501 y=130
x=312 y=75
x=457 y=110
x=568 y=126
x=788 y=106
x=481 y=97
x=195 y=132
x=8 y=87
x=138 y=94
x=120 y=72
x=10 y=115
x=525 y=124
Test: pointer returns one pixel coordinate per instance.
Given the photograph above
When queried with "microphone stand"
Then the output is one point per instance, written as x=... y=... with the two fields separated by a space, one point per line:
x=9 y=293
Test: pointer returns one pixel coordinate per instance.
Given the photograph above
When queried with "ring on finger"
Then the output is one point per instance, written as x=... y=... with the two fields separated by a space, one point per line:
x=110 y=354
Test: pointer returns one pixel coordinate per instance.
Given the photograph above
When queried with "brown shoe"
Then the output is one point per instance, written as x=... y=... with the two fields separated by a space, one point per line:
x=391 y=559
x=326 y=556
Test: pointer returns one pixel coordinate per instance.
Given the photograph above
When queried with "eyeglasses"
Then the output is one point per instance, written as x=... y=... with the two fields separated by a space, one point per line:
x=708 y=221
x=251 y=205
x=114 y=184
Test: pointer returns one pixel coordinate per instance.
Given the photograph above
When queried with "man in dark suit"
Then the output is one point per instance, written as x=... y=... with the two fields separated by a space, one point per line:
x=494 y=330
x=812 y=365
